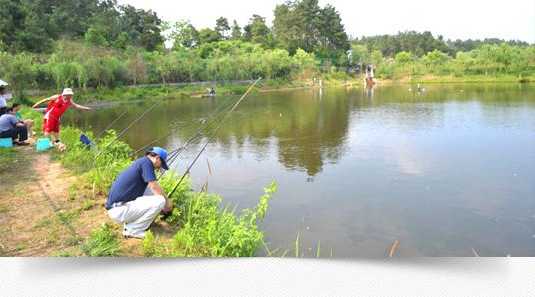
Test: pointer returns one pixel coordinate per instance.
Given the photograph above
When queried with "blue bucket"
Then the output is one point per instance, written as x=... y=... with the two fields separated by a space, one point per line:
x=43 y=144
x=6 y=142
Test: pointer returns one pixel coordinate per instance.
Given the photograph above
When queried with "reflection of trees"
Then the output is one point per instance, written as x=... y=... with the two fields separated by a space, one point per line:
x=308 y=130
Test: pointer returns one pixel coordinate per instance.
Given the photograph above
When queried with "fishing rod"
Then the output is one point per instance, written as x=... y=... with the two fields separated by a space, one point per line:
x=174 y=154
x=211 y=136
x=209 y=124
x=172 y=128
x=213 y=115
x=110 y=125
x=85 y=139
x=128 y=127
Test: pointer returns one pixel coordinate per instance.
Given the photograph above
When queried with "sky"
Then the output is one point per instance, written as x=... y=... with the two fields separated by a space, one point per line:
x=463 y=19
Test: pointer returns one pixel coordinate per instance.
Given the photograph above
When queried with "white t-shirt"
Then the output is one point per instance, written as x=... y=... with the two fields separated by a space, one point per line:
x=3 y=99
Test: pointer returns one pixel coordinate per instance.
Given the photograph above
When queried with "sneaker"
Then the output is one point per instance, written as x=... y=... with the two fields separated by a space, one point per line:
x=127 y=234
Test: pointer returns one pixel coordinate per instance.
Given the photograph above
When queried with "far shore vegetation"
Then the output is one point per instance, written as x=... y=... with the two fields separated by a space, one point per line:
x=107 y=46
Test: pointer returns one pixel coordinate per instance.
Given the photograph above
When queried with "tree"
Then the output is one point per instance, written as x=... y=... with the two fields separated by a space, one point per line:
x=304 y=24
x=208 y=35
x=403 y=57
x=143 y=27
x=410 y=41
x=236 y=31
x=222 y=27
x=96 y=37
x=257 y=31
x=18 y=71
x=287 y=28
x=435 y=58
x=184 y=35
x=333 y=35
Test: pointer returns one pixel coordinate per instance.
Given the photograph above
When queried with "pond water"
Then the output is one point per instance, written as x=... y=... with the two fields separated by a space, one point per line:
x=446 y=172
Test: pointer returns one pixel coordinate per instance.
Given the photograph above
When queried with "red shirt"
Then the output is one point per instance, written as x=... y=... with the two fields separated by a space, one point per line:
x=56 y=108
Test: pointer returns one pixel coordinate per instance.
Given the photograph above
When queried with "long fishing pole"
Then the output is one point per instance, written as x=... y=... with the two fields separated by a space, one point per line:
x=173 y=127
x=212 y=122
x=213 y=135
x=110 y=125
x=128 y=127
x=208 y=122
x=174 y=154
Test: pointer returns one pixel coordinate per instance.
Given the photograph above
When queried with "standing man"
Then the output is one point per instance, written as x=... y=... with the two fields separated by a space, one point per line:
x=127 y=205
x=57 y=106
x=12 y=128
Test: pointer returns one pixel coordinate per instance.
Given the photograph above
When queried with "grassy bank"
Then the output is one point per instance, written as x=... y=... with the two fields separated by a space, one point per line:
x=201 y=226
x=205 y=228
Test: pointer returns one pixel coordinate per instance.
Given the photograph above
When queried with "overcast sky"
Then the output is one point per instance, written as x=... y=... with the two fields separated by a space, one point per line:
x=511 y=19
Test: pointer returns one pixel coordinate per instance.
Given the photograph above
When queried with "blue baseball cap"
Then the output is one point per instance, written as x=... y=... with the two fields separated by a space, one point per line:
x=162 y=153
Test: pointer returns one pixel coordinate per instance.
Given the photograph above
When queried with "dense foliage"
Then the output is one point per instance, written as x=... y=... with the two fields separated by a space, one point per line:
x=50 y=44
x=80 y=65
x=33 y=25
x=501 y=60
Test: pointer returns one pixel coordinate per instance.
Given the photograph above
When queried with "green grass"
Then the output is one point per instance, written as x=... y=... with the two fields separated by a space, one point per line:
x=67 y=217
x=102 y=242
x=88 y=204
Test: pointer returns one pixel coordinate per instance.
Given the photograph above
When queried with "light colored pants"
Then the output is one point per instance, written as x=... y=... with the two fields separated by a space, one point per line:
x=137 y=215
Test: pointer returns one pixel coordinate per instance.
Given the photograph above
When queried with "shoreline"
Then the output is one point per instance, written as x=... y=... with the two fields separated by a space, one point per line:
x=112 y=96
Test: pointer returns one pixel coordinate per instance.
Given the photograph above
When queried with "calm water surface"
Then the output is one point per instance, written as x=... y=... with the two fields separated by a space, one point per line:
x=444 y=172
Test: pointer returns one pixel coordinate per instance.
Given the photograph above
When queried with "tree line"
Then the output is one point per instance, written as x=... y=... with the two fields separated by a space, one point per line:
x=420 y=44
x=98 y=43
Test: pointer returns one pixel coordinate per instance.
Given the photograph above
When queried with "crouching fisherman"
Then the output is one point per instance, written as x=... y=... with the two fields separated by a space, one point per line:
x=127 y=205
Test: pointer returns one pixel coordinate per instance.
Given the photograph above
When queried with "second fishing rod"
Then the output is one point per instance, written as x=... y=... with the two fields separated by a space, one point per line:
x=213 y=134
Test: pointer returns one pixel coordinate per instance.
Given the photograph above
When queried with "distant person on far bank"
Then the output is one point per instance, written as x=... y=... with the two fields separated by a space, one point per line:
x=57 y=106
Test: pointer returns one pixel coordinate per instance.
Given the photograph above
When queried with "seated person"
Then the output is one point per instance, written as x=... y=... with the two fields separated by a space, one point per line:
x=29 y=123
x=211 y=92
x=12 y=128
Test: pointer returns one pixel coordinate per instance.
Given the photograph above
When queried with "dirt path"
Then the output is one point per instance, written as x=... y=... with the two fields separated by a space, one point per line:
x=43 y=212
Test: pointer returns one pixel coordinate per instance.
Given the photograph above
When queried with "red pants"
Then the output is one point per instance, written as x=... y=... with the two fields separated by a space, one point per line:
x=51 y=125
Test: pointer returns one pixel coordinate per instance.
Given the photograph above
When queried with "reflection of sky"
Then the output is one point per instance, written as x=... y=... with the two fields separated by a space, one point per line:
x=441 y=176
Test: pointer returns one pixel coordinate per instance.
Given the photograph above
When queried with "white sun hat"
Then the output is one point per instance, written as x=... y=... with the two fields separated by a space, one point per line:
x=67 y=91
x=3 y=83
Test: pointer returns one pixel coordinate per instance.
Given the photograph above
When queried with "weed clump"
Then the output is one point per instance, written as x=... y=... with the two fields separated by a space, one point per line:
x=102 y=242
